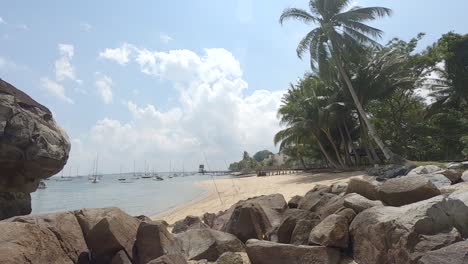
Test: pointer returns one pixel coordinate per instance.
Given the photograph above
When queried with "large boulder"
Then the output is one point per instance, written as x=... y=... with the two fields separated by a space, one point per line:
x=233 y=258
x=64 y=226
x=294 y=201
x=288 y=224
x=314 y=199
x=407 y=190
x=266 y=252
x=120 y=258
x=153 y=240
x=426 y=169
x=453 y=175
x=300 y=234
x=333 y=231
x=30 y=243
x=439 y=180
x=464 y=176
x=453 y=254
x=208 y=244
x=462 y=186
x=359 y=203
x=400 y=234
x=189 y=222
x=365 y=186
x=339 y=187
x=33 y=147
x=389 y=171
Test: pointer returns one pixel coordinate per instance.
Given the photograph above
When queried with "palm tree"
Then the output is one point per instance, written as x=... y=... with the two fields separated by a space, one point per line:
x=340 y=32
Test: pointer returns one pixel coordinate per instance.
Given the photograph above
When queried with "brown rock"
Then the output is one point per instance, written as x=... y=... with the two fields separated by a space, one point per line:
x=248 y=220
x=359 y=203
x=14 y=203
x=300 y=234
x=189 y=222
x=339 y=187
x=453 y=254
x=89 y=217
x=332 y=206
x=120 y=258
x=169 y=259
x=331 y=232
x=266 y=252
x=366 y=186
x=294 y=202
x=233 y=258
x=347 y=213
x=30 y=243
x=153 y=240
x=407 y=190
x=64 y=226
x=314 y=200
x=292 y=216
x=462 y=186
x=433 y=242
x=208 y=244
x=453 y=175
x=209 y=219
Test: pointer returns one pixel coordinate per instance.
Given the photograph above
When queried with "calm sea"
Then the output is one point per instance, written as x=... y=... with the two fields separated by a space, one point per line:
x=138 y=196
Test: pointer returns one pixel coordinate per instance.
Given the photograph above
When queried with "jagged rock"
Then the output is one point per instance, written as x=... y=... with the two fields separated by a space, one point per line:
x=189 y=222
x=209 y=219
x=359 y=203
x=389 y=171
x=366 y=186
x=339 y=187
x=453 y=254
x=433 y=242
x=154 y=240
x=347 y=213
x=33 y=147
x=294 y=202
x=332 y=206
x=287 y=225
x=407 y=190
x=233 y=258
x=391 y=234
x=208 y=244
x=427 y=169
x=331 y=232
x=266 y=252
x=89 y=217
x=120 y=258
x=110 y=235
x=169 y=259
x=30 y=243
x=438 y=180
x=300 y=234
x=453 y=175
x=64 y=226
x=14 y=203
x=314 y=199
x=143 y=218
x=464 y=176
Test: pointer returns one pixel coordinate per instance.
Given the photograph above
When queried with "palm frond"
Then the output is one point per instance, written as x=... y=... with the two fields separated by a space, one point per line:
x=308 y=42
x=363 y=28
x=360 y=14
x=297 y=14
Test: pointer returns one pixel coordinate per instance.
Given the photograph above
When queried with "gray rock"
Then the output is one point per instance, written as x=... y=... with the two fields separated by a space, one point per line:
x=288 y=224
x=453 y=254
x=438 y=180
x=300 y=234
x=266 y=252
x=455 y=165
x=233 y=258
x=359 y=203
x=331 y=232
x=294 y=202
x=208 y=244
x=153 y=241
x=33 y=147
x=389 y=171
x=169 y=259
x=348 y=213
x=339 y=187
x=189 y=222
x=314 y=199
x=462 y=186
x=428 y=243
x=427 y=169
x=464 y=176
x=407 y=190
x=365 y=186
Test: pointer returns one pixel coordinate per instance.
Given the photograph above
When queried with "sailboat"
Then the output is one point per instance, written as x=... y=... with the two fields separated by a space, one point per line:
x=96 y=179
x=63 y=178
x=146 y=175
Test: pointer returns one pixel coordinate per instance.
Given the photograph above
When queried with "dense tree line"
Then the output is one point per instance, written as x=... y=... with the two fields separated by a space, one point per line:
x=360 y=104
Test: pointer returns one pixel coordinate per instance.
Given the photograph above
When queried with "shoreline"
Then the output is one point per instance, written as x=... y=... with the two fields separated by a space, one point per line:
x=231 y=190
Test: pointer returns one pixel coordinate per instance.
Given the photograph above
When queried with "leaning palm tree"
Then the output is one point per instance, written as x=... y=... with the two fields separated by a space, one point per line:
x=340 y=32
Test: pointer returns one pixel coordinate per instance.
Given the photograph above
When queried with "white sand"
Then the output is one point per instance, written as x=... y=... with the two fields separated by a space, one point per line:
x=233 y=190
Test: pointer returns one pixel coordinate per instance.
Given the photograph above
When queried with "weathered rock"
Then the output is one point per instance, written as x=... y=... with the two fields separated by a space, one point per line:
x=462 y=186
x=294 y=202
x=453 y=254
x=14 y=203
x=233 y=258
x=438 y=180
x=339 y=187
x=391 y=234
x=209 y=219
x=315 y=199
x=266 y=252
x=433 y=242
x=89 y=217
x=347 y=213
x=143 y=218
x=110 y=235
x=30 y=243
x=300 y=234
x=407 y=190
x=426 y=169
x=64 y=226
x=120 y=258
x=169 y=259
x=248 y=220
x=464 y=176
x=33 y=147
x=208 y=244
x=189 y=222
x=453 y=175
x=154 y=240
x=331 y=232
x=366 y=186
x=457 y=165
x=359 y=203
x=292 y=216
x=332 y=206
x=389 y=171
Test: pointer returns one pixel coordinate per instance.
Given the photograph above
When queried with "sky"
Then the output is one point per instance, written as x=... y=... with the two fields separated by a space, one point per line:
x=176 y=82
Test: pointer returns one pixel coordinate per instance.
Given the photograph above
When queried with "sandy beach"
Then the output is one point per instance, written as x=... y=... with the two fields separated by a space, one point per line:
x=235 y=189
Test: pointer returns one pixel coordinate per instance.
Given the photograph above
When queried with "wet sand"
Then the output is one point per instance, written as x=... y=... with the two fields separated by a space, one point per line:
x=222 y=193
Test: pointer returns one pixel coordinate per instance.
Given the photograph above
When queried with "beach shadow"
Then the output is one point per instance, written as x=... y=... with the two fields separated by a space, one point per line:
x=327 y=176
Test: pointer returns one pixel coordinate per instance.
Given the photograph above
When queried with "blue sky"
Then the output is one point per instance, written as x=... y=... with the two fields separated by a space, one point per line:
x=200 y=76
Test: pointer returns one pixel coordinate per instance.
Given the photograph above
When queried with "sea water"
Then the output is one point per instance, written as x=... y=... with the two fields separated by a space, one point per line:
x=134 y=196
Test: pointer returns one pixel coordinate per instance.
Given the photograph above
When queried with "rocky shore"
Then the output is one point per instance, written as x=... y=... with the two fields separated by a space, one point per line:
x=415 y=218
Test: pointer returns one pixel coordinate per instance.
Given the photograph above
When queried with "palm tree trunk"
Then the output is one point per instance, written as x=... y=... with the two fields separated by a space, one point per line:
x=303 y=162
x=357 y=159
x=348 y=159
x=370 y=127
x=327 y=156
x=337 y=153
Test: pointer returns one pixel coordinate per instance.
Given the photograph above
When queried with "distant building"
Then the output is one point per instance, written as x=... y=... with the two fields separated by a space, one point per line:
x=201 y=169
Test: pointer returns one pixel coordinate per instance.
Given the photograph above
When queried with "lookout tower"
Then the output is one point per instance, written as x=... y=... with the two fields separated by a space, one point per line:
x=201 y=169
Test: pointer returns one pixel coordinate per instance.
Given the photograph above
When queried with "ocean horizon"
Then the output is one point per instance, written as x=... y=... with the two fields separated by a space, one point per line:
x=134 y=196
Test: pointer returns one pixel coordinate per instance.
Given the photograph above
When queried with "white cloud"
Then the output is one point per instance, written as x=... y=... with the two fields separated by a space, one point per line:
x=2 y=21
x=55 y=89
x=215 y=114
x=63 y=66
x=165 y=38
x=104 y=87
x=119 y=55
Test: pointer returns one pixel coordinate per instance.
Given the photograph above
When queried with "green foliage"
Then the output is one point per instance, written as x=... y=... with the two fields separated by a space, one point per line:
x=247 y=164
x=262 y=155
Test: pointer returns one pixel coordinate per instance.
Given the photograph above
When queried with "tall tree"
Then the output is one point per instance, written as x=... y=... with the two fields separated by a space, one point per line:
x=340 y=32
